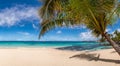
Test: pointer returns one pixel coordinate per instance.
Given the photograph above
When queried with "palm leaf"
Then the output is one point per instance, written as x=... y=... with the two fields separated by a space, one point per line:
x=48 y=25
x=96 y=15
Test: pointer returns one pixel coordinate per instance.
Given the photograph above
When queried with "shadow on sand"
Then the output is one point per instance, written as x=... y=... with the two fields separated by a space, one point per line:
x=81 y=47
x=94 y=57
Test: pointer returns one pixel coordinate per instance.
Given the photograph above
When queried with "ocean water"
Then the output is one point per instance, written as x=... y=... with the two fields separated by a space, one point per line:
x=62 y=45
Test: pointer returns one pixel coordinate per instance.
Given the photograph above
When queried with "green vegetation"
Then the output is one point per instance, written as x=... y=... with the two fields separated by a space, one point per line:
x=96 y=15
x=116 y=36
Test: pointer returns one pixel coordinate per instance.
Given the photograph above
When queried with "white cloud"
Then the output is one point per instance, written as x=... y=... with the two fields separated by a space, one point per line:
x=87 y=36
x=59 y=32
x=118 y=30
x=83 y=36
x=108 y=30
x=24 y=33
x=76 y=27
x=114 y=31
x=58 y=38
x=22 y=25
x=13 y=15
x=34 y=26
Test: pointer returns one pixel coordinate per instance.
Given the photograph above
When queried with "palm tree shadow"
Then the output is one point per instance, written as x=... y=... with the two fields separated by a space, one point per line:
x=94 y=57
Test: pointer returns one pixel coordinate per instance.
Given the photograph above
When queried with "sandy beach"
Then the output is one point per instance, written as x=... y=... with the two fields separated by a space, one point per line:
x=54 y=57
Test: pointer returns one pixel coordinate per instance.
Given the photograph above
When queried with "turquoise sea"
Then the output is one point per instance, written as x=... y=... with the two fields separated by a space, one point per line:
x=62 y=45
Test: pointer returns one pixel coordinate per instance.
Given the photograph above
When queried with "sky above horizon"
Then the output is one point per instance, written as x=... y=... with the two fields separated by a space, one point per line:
x=19 y=21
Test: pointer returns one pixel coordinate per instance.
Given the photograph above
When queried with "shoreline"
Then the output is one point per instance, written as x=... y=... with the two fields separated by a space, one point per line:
x=60 y=48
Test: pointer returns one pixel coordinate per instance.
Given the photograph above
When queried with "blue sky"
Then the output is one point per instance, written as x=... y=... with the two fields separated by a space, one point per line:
x=19 y=21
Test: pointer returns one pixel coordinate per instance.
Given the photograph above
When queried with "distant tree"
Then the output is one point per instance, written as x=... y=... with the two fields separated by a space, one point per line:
x=116 y=38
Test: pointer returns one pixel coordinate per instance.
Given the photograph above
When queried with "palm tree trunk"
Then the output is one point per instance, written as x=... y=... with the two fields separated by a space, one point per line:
x=114 y=45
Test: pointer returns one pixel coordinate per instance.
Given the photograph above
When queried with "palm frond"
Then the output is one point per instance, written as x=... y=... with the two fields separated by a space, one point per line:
x=49 y=8
x=49 y=25
x=96 y=15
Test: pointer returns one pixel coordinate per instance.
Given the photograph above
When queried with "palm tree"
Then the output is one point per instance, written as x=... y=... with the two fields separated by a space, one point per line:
x=116 y=38
x=96 y=15
x=116 y=32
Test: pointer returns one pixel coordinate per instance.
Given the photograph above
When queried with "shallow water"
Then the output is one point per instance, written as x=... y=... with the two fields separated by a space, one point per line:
x=79 y=45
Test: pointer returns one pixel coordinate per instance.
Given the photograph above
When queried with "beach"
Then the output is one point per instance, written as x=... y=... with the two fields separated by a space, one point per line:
x=59 y=32
x=54 y=57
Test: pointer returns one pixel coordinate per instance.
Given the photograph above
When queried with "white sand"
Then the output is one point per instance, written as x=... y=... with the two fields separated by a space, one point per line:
x=53 y=57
